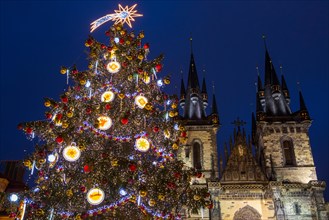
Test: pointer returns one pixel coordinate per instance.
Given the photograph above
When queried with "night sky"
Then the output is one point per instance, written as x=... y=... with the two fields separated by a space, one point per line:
x=37 y=37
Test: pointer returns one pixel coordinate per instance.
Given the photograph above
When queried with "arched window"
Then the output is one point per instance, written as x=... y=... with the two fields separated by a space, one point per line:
x=288 y=152
x=197 y=155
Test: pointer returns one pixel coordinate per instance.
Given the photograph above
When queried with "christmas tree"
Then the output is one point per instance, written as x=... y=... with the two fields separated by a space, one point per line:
x=109 y=146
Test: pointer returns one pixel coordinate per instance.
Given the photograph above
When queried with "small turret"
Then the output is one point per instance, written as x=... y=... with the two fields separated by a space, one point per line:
x=204 y=94
x=182 y=95
x=285 y=89
x=302 y=108
x=261 y=92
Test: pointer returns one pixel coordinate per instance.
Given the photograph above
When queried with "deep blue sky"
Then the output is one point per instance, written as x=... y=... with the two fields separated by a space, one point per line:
x=37 y=37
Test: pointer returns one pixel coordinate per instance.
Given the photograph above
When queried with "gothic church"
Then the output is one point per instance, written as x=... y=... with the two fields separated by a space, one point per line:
x=269 y=176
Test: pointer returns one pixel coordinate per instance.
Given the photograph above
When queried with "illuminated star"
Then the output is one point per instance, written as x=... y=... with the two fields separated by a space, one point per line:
x=123 y=15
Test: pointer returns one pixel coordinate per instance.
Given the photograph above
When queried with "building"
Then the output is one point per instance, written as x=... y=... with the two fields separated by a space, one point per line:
x=269 y=176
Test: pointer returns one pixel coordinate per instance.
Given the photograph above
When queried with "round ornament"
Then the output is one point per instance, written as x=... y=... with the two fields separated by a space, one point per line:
x=104 y=123
x=95 y=196
x=113 y=67
x=142 y=144
x=140 y=101
x=71 y=153
x=107 y=96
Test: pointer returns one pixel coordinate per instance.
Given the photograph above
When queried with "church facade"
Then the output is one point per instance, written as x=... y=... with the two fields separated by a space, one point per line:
x=268 y=176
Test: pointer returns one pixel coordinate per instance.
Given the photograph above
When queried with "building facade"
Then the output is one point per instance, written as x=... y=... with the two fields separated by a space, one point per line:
x=268 y=176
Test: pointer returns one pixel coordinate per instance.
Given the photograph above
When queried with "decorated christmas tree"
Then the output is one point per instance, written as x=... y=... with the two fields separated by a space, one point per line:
x=108 y=148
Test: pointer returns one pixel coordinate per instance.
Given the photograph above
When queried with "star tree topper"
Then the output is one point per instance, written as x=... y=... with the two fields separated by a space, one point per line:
x=123 y=15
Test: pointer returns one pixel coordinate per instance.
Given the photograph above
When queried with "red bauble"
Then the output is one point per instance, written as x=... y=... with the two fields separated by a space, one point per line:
x=59 y=139
x=132 y=167
x=48 y=115
x=89 y=42
x=86 y=168
x=156 y=129
x=124 y=121
x=183 y=134
x=158 y=67
x=146 y=46
x=75 y=71
x=107 y=106
x=65 y=99
x=140 y=70
x=83 y=189
x=29 y=130
x=103 y=46
x=59 y=116
x=177 y=175
x=88 y=110
x=121 y=41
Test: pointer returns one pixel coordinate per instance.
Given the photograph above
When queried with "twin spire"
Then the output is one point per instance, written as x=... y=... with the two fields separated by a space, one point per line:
x=273 y=99
x=193 y=100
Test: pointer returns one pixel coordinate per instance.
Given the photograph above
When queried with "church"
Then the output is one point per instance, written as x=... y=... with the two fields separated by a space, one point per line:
x=268 y=176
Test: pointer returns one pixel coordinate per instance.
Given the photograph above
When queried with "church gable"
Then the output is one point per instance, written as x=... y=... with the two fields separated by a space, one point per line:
x=241 y=165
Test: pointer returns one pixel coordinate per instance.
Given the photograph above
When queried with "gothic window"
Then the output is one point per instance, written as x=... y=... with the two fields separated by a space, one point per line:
x=197 y=155
x=288 y=152
x=297 y=208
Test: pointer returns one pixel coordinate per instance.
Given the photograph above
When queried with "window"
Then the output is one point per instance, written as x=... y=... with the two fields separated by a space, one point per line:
x=288 y=151
x=297 y=208
x=196 y=155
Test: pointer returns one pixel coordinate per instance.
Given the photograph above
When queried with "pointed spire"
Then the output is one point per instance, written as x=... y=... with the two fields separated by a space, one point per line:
x=253 y=128
x=193 y=80
x=259 y=107
x=259 y=82
x=214 y=105
x=204 y=87
x=302 y=105
x=204 y=93
x=284 y=85
x=270 y=74
x=182 y=88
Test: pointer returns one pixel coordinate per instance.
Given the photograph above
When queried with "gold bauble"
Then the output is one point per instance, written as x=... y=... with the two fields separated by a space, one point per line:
x=40 y=212
x=166 y=81
x=121 y=95
x=69 y=114
x=148 y=106
x=172 y=114
x=41 y=161
x=83 y=82
x=129 y=57
x=27 y=163
x=141 y=35
x=140 y=56
x=130 y=78
x=132 y=199
x=152 y=202
x=166 y=133
x=65 y=124
x=90 y=66
x=78 y=217
x=143 y=193
x=175 y=146
x=47 y=103
x=69 y=192
x=174 y=105
x=127 y=42
x=196 y=197
x=161 y=197
x=114 y=162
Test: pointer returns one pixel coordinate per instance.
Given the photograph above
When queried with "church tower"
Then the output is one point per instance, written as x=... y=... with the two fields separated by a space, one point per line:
x=283 y=150
x=200 y=150
x=280 y=135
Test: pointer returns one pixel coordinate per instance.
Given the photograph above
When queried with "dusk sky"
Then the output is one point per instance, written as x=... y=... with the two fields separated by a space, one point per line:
x=38 y=37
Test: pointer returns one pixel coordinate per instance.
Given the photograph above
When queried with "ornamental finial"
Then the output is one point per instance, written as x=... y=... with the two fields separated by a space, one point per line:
x=123 y=15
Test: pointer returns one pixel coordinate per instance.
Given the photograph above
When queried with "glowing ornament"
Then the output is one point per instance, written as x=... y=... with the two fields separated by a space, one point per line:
x=140 y=101
x=95 y=196
x=13 y=197
x=152 y=202
x=123 y=15
x=166 y=133
x=71 y=153
x=142 y=144
x=147 y=79
x=107 y=96
x=113 y=67
x=123 y=192
x=196 y=197
x=51 y=158
x=104 y=123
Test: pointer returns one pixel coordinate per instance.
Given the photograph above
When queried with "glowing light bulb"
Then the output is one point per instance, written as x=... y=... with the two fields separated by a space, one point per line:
x=51 y=158
x=123 y=192
x=13 y=197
